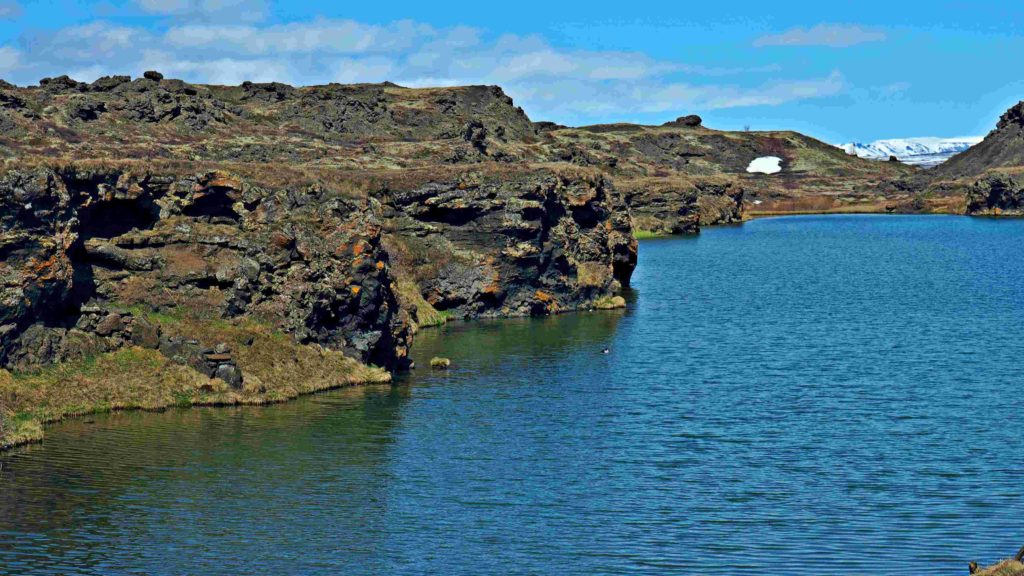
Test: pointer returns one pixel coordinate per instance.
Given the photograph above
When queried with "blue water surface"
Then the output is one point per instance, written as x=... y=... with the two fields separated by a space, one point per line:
x=820 y=395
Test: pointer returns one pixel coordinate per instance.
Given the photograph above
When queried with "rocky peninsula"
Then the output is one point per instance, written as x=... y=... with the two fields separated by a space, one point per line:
x=164 y=243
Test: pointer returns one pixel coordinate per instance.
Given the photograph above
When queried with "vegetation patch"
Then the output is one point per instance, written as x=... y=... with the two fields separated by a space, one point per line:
x=610 y=303
x=275 y=368
x=646 y=234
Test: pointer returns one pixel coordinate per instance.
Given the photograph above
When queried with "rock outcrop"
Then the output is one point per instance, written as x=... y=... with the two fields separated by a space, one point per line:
x=83 y=248
x=515 y=242
x=328 y=213
x=984 y=179
x=996 y=194
x=683 y=206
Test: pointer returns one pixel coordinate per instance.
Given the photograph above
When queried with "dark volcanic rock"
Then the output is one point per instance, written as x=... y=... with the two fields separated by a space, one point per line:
x=211 y=362
x=524 y=243
x=691 y=121
x=545 y=126
x=62 y=84
x=85 y=108
x=307 y=260
x=1001 y=148
x=996 y=194
x=108 y=83
x=674 y=206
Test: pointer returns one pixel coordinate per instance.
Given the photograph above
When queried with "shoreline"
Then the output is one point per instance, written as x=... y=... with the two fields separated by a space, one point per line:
x=28 y=432
x=133 y=378
x=21 y=430
x=756 y=214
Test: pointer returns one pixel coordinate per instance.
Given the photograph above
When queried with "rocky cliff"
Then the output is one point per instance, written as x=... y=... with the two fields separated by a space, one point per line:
x=984 y=179
x=340 y=216
x=88 y=252
x=1003 y=147
x=513 y=242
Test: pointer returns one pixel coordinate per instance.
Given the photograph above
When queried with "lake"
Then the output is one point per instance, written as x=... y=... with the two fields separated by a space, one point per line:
x=802 y=395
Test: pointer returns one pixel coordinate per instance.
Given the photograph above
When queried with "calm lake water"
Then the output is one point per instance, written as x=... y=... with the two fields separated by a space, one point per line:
x=803 y=395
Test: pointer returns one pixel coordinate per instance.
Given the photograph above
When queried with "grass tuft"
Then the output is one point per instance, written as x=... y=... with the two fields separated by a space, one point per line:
x=275 y=369
x=646 y=234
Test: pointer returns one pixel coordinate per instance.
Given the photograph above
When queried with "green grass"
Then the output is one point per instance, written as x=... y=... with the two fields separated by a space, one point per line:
x=646 y=234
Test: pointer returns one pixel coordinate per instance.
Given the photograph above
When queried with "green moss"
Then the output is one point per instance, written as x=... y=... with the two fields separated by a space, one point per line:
x=425 y=314
x=646 y=234
x=171 y=316
x=609 y=303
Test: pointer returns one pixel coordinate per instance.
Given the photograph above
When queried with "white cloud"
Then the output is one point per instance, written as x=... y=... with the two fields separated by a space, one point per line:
x=9 y=59
x=677 y=96
x=319 y=36
x=572 y=86
x=241 y=10
x=10 y=10
x=353 y=71
x=832 y=35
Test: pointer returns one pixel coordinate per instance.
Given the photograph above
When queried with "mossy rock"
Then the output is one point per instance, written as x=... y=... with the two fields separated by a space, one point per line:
x=610 y=303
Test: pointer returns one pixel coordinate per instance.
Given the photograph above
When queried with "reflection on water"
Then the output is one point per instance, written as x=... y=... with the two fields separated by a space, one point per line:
x=819 y=395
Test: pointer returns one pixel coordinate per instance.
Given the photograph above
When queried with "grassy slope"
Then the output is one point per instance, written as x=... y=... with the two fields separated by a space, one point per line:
x=274 y=366
x=815 y=177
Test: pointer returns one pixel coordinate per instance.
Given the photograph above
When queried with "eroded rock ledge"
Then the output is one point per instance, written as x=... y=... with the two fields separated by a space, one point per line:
x=91 y=254
x=85 y=243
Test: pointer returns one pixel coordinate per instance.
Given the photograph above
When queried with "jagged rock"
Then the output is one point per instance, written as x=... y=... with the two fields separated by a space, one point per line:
x=1012 y=117
x=85 y=108
x=110 y=324
x=691 y=121
x=475 y=133
x=12 y=101
x=62 y=84
x=108 y=83
x=207 y=362
x=332 y=285
x=300 y=239
x=1002 y=148
x=996 y=194
x=678 y=206
x=267 y=92
x=145 y=333
x=533 y=242
x=548 y=126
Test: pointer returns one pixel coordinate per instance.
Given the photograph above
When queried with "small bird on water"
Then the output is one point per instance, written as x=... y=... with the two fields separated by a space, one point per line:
x=605 y=351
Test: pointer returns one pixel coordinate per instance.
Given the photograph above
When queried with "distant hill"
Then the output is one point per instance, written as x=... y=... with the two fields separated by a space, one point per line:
x=926 y=152
x=1001 y=148
x=989 y=174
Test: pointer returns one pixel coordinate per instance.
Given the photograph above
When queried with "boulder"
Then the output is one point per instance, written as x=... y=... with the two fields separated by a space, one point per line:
x=690 y=121
x=145 y=333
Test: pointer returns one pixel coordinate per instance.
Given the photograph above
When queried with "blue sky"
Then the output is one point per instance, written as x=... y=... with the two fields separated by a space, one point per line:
x=840 y=71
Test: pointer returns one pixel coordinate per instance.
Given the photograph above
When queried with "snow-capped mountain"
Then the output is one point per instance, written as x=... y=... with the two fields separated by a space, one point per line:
x=919 y=151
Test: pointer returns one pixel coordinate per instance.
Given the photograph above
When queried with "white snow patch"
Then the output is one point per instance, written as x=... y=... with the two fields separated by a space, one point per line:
x=765 y=165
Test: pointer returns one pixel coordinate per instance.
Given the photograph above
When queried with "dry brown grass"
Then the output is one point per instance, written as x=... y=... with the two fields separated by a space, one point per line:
x=1004 y=568
x=275 y=369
